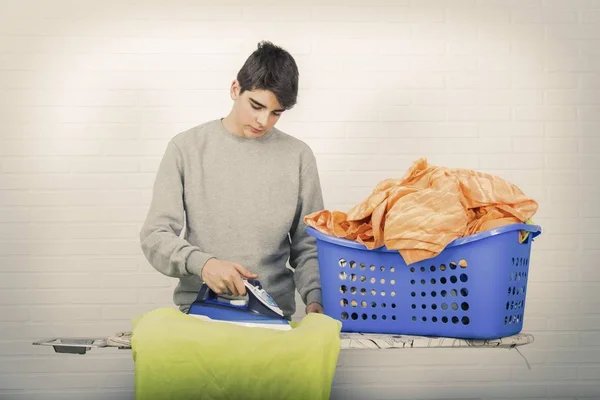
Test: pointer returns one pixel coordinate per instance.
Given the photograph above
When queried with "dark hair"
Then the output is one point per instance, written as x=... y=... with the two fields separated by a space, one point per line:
x=271 y=68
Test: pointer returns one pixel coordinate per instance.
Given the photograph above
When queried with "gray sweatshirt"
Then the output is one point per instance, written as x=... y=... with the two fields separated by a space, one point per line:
x=241 y=200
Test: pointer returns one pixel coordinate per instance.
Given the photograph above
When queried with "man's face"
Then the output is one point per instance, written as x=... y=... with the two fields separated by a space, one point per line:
x=256 y=112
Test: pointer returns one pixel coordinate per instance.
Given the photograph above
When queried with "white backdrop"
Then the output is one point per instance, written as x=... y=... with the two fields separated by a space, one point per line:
x=91 y=91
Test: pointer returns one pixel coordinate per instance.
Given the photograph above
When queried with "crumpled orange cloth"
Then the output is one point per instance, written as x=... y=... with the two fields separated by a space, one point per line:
x=420 y=214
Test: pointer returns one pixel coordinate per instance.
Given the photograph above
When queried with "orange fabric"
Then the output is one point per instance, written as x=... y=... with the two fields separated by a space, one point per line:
x=420 y=214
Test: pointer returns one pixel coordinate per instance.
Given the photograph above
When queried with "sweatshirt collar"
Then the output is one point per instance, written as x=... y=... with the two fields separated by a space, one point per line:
x=221 y=128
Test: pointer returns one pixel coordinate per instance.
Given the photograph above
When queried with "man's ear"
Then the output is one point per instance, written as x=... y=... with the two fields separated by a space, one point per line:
x=234 y=92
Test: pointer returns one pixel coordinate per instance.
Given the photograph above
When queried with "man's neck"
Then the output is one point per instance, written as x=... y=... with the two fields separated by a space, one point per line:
x=231 y=126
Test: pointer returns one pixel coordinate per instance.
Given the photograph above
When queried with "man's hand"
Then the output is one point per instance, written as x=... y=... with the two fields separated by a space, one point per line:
x=225 y=277
x=314 y=308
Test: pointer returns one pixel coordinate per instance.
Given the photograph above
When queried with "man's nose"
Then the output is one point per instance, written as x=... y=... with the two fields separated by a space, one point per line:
x=262 y=119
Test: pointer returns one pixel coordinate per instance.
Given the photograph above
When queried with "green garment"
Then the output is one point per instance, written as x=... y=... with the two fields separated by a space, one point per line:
x=178 y=356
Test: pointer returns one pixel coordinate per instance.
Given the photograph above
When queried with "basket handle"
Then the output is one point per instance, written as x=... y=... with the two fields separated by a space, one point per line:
x=529 y=231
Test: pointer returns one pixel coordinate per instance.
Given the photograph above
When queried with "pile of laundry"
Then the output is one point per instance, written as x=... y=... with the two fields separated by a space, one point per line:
x=420 y=214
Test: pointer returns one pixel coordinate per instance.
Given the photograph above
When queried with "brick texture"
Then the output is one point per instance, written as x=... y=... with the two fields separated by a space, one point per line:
x=90 y=93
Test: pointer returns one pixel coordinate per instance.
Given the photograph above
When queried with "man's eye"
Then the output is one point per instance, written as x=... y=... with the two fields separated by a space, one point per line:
x=255 y=107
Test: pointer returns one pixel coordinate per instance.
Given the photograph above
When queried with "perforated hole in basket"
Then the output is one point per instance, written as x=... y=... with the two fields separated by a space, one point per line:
x=364 y=287
x=517 y=285
x=439 y=293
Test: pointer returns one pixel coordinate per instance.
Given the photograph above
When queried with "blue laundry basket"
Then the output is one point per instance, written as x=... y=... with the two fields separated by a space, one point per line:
x=474 y=289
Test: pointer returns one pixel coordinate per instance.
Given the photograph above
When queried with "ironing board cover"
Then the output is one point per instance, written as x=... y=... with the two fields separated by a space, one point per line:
x=383 y=341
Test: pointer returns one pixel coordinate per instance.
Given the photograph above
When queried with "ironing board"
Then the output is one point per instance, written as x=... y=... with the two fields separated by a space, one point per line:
x=349 y=341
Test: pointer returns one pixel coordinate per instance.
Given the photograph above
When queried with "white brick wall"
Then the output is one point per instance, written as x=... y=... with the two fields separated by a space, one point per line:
x=90 y=92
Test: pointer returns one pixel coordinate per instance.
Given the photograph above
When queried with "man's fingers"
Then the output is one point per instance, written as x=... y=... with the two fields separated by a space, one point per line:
x=233 y=289
x=218 y=289
x=230 y=285
x=315 y=308
x=239 y=285
x=229 y=280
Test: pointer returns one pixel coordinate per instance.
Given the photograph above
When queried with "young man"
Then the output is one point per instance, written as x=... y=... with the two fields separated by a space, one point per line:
x=242 y=187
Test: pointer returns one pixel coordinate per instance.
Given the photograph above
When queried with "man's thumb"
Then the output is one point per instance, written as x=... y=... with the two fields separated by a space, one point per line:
x=244 y=271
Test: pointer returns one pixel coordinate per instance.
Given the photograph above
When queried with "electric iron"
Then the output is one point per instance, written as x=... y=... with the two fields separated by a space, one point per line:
x=260 y=310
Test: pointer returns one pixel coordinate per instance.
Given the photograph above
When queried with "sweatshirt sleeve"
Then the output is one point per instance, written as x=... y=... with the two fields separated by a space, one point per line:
x=303 y=255
x=160 y=238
